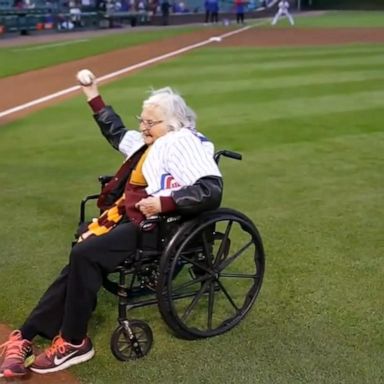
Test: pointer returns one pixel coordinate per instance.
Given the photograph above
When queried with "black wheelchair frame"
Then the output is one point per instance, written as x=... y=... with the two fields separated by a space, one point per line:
x=187 y=273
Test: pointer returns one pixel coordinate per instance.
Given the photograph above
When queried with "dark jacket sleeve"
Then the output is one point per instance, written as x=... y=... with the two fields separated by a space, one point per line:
x=205 y=194
x=111 y=126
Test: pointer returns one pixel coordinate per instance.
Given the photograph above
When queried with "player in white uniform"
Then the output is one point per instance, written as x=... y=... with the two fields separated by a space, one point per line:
x=283 y=11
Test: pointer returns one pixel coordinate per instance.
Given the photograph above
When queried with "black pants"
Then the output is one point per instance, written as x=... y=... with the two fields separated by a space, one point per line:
x=68 y=303
x=240 y=17
x=165 y=18
x=207 y=16
x=214 y=17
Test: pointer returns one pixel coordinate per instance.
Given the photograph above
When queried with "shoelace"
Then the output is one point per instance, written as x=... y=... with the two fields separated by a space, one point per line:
x=14 y=347
x=58 y=345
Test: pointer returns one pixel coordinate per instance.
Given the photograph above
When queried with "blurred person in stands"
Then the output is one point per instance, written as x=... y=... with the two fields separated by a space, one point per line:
x=165 y=8
x=152 y=7
x=19 y=4
x=207 y=12
x=240 y=8
x=75 y=14
x=215 y=11
x=211 y=11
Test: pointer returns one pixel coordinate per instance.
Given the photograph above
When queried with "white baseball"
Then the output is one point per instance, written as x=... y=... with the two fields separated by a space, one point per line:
x=85 y=77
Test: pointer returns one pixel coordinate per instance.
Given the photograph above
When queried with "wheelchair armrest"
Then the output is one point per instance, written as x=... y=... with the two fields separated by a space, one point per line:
x=226 y=153
x=147 y=224
x=82 y=206
x=104 y=179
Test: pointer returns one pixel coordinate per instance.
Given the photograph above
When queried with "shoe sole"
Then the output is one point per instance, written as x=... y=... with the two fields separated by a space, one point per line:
x=7 y=373
x=76 y=360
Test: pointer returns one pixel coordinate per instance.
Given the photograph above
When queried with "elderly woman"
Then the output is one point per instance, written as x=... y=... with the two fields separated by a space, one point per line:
x=168 y=167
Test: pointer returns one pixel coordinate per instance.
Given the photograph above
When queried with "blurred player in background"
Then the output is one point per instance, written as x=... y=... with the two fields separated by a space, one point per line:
x=283 y=11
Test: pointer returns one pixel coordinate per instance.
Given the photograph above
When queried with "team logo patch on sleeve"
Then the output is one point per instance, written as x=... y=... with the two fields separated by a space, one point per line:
x=168 y=182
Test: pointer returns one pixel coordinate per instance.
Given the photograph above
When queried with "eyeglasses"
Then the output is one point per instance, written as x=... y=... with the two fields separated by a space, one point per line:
x=148 y=123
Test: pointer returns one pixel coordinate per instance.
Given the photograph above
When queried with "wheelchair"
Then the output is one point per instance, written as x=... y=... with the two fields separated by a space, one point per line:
x=203 y=272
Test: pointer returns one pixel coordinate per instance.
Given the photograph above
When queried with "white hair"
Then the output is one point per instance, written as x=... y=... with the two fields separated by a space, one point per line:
x=177 y=113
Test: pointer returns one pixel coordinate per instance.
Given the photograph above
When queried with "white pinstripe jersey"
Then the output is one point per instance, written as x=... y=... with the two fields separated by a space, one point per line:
x=283 y=6
x=174 y=160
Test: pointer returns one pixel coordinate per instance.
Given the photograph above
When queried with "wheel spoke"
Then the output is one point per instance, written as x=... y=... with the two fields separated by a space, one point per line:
x=191 y=282
x=141 y=337
x=193 y=303
x=211 y=300
x=228 y=261
x=207 y=250
x=123 y=346
x=227 y=295
x=196 y=264
x=238 y=275
x=220 y=252
x=139 y=333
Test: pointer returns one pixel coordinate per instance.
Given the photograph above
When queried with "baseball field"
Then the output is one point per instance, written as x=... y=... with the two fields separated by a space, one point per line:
x=305 y=107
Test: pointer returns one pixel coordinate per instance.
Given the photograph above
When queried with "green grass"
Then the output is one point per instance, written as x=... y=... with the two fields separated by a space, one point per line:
x=354 y=19
x=309 y=125
x=14 y=60
x=331 y=19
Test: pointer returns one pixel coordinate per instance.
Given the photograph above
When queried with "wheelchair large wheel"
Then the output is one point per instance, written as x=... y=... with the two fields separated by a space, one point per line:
x=221 y=257
x=132 y=341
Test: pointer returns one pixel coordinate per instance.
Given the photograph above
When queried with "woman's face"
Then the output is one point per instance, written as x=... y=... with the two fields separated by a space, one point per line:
x=152 y=123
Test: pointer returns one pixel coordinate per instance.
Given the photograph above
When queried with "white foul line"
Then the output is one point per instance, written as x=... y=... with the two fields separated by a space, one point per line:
x=50 y=45
x=116 y=73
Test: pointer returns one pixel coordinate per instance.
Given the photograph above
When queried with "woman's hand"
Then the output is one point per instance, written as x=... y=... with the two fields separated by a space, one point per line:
x=150 y=206
x=88 y=83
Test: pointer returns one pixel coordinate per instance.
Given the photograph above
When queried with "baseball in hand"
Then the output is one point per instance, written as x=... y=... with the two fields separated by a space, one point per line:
x=85 y=77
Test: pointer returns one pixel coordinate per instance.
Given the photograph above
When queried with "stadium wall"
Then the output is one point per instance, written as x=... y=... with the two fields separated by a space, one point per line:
x=343 y=4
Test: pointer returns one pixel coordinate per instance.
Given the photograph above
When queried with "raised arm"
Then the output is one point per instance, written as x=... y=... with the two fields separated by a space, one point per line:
x=110 y=123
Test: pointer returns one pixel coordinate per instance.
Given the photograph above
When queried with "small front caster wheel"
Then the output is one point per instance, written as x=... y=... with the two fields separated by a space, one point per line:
x=131 y=340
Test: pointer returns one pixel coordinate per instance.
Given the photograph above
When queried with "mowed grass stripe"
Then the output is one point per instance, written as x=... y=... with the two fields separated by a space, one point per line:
x=319 y=80
x=340 y=19
x=252 y=67
x=249 y=134
x=296 y=106
x=326 y=174
x=311 y=92
x=213 y=56
x=237 y=103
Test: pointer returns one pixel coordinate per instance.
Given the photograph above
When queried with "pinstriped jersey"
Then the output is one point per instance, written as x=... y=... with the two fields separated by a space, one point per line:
x=174 y=160
x=283 y=6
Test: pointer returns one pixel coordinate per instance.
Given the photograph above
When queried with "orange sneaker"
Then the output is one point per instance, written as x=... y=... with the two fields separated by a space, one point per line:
x=61 y=355
x=18 y=355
